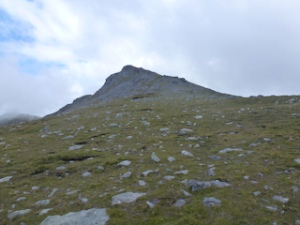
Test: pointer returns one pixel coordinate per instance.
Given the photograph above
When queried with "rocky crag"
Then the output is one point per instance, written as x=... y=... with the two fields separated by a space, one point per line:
x=139 y=83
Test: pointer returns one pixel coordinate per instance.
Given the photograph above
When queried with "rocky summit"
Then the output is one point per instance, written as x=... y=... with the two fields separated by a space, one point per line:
x=152 y=149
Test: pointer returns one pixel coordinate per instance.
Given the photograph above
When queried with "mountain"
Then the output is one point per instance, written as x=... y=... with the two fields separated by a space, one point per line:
x=14 y=118
x=139 y=83
x=155 y=157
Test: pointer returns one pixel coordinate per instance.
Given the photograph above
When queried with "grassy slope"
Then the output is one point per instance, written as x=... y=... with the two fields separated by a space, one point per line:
x=34 y=161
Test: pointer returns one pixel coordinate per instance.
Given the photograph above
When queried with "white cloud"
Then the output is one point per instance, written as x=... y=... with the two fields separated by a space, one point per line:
x=222 y=45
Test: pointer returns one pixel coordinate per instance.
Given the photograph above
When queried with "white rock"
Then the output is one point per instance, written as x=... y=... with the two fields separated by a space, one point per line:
x=18 y=213
x=164 y=129
x=210 y=202
x=5 y=179
x=126 y=175
x=169 y=177
x=89 y=217
x=126 y=197
x=61 y=168
x=297 y=160
x=273 y=208
x=230 y=150
x=198 y=117
x=52 y=193
x=171 y=159
x=45 y=211
x=85 y=174
x=142 y=183
x=21 y=199
x=184 y=152
x=186 y=193
x=124 y=163
x=280 y=198
x=149 y=171
x=74 y=147
x=43 y=202
x=155 y=158
x=184 y=172
x=179 y=203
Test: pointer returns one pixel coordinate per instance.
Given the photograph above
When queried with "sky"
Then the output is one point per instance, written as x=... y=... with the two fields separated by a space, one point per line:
x=53 y=51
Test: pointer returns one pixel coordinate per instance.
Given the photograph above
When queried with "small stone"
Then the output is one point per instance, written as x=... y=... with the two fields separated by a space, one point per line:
x=211 y=172
x=84 y=200
x=61 y=168
x=45 y=211
x=253 y=145
x=126 y=197
x=52 y=193
x=5 y=179
x=113 y=125
x=43 y=202
x=155 y=158
x=169 y=177
x=200 y=185
x=18 y=213
x=151 y=204
x=21 y=199
x=100 y=168
x=184 y=152
x=85 y=174
x=142 y=183
x=297 y=160
x=273 y=208
x=295 y=189
x=219 y=184
x=210 y=201
x=186 y=193
x=149 y=171
x=230 y=150
x=198 y=117
x=216 y=157
x=280 y=198
x=246 y=177
x=171 y=159
x=179 y=203
x=34 y=188
x=297 y=221
x=184 y=172
x=68 y=137
x=124 y=163
x=126 y=175
x=71 y=192
x=256 y=193
x=74 y=147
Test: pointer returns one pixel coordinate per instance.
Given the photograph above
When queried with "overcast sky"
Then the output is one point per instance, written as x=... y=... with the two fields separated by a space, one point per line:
x=53 y=51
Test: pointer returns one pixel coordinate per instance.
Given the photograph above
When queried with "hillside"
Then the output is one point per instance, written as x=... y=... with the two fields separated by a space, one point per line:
x=155 y=159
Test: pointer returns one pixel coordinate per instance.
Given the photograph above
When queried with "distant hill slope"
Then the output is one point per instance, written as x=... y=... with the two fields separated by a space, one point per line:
x=137 y=83
x=13 y=119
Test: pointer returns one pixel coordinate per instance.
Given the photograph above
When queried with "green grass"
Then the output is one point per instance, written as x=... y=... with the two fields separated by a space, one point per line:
x=34 y=160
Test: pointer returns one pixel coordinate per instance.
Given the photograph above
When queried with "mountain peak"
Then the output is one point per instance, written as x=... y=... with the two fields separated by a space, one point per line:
x=132 y=81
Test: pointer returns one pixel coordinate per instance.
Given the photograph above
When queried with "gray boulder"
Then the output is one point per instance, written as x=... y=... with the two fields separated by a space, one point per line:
x=126 y=197
x=18 y=213
x=5 y=179
x=92 y=216
x=210 y=202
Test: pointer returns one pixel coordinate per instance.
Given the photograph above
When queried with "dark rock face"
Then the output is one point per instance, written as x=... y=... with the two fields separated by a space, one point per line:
x=138 y=83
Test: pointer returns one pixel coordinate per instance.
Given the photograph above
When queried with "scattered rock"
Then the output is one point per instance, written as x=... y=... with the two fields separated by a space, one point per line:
x=72 y=192
x=126 y=197
x=186 y=193
x=149 y=171
x=184 y=152
x=230 y=150
x=211 y=172
x=295 y=189
x=126 y=175
x=179 y=203
x=142 y=183
x=5 y=179
x=219 y=184
x=85 y=174
x=45 y=211
x=68 y=137
x=198 y=117
x=21 y=199
x=210 y=201
x=155 y=158
x=113 y=125
x=297 y=160
x=100 y=168
x=74 y=147
x=61 y=168
x=92 y=216
x=184 y=130
x=42 y=202
x=171 y=159
x=273 y=208
x=18 y=213
x=52 y=193
x=213 y=157
x=124 y=163
x=169 y=177
x=280 y=198
x=151 y=204
x=200 y=185
x=184 y=172
x=256 y=193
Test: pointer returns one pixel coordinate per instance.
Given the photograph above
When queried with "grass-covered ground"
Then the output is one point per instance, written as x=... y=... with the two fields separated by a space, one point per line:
x=271 y=123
